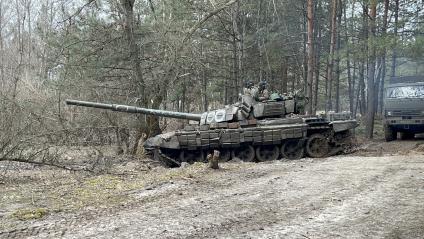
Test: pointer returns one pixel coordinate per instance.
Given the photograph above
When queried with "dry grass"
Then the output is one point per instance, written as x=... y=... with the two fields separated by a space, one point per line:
x=36 y=192
x=29 y=214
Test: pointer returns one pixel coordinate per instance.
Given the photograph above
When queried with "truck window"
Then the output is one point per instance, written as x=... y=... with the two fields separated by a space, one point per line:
x=405 y=92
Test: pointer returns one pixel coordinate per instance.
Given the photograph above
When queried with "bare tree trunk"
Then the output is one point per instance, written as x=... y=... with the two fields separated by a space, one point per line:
x=377 y=76
x=134 y=49
x=383 y=75
x=311 y=58
x=329 y=105
x=204 y=82
x=395 y=32
x=226 y=91
x=258 y=41
x=317 y=59
x=29 y=44
x=305 y=51
x=236 y=49
x=234 y=83
x=360 y=95
x=149 y=125
x=351 y=88
x=339 y=22
x=241 y=55
x=18 y=72
x=284 y=76
x=205 y=92
x=354 y=86
x=183 y=100
x=2 y=83
x=369 y=127
x=317 y=79
x=362 y=99
x=363 y=65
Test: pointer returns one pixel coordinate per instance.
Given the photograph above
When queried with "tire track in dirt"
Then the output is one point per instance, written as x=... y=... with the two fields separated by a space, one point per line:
x=63 y=222
x=263 y=220
x=307 y=198
x=361 y=213
x=250 y=205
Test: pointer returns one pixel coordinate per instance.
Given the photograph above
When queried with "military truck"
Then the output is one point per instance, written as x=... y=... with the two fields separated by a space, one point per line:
x=404 y=107
x=248 y=130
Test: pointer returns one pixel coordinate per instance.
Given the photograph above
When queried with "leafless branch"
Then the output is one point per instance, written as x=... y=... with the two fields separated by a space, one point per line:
x=78 y=11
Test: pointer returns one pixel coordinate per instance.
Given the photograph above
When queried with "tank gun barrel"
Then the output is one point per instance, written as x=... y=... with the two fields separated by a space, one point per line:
x=135 y=110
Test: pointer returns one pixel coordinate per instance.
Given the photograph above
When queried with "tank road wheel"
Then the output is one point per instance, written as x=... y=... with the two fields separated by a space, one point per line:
x=267 y=153
x=245 y=153
x=389 y=133
x=225 y=155
x=292 y=149
x=191 y=156
x=317 y=146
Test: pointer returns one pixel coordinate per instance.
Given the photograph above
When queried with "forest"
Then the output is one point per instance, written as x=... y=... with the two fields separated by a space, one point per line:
x=190 y=56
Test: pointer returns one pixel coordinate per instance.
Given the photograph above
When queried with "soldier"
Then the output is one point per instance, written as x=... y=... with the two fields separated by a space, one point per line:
x=262 y=93
x=250 y=89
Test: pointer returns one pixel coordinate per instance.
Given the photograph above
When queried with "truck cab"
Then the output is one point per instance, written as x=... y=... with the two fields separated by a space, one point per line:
x=404 y=107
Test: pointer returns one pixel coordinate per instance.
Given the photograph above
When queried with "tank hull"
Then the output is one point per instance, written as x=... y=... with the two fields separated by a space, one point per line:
x=268 y=140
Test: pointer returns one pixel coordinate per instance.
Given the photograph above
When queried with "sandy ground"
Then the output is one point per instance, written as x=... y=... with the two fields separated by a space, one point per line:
x=377 y=192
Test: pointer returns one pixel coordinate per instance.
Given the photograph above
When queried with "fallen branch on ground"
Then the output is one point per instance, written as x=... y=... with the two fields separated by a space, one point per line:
x=21 y=160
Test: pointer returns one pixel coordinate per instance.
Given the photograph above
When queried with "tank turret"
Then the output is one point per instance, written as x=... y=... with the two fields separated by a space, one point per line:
x=243 y=111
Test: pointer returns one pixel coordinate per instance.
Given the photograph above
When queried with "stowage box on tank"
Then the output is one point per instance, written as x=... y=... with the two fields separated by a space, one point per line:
x=248 y=130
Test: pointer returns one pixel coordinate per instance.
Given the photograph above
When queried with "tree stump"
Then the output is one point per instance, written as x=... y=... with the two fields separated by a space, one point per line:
x=213 y=159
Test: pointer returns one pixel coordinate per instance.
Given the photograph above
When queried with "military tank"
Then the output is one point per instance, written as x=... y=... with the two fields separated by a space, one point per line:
x=248 y=130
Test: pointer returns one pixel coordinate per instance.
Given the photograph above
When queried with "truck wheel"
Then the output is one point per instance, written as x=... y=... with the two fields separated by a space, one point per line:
x=317 y=146
x=389 y=133
x=406 y=135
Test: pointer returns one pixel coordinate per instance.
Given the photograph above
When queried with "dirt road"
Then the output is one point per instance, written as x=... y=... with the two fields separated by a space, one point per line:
x=336 y=197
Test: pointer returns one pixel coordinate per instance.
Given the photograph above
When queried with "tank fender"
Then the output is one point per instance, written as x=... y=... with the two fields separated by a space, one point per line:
x=167 y=140
x=342 y=125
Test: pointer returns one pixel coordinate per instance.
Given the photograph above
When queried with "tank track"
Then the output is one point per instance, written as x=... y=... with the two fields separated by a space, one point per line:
x=265 y=146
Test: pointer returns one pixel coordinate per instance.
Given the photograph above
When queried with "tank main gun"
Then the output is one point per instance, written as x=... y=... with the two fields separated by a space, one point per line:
x=136 y=110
